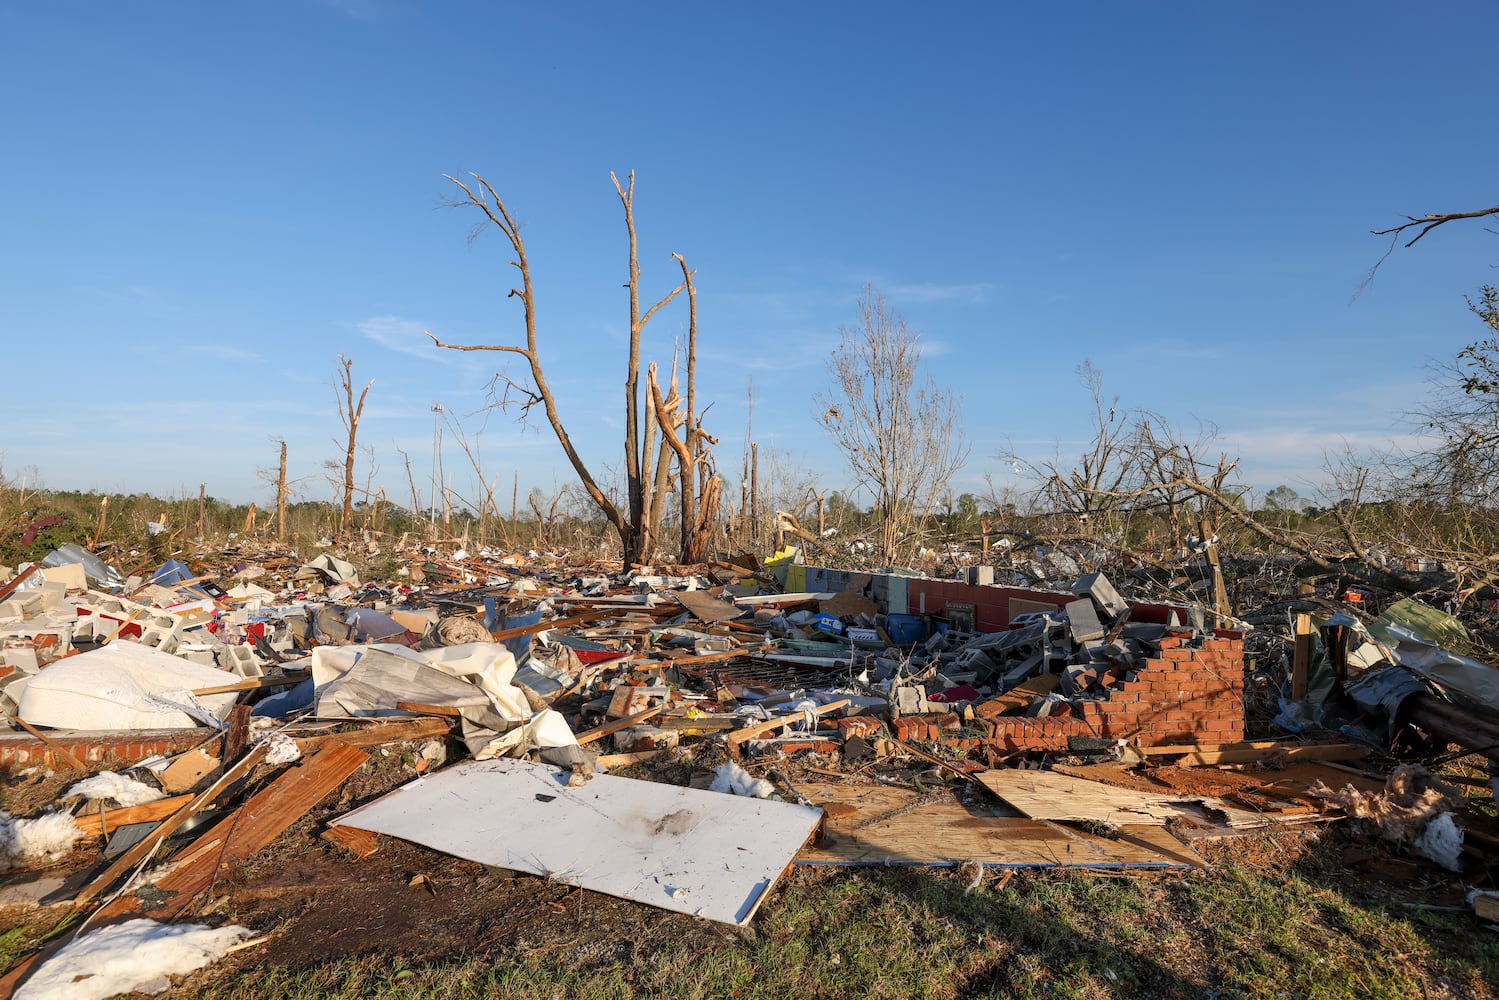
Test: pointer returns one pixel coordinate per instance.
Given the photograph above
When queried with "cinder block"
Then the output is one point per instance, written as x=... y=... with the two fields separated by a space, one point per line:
x=1097 y=587
x=1082 y=617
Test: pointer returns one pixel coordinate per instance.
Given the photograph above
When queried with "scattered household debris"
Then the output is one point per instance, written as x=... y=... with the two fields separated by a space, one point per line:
x=680 y=735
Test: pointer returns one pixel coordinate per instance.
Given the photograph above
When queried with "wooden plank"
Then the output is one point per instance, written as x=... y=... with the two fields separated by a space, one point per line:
x=1323 y=751
x=626 y=759
x=135 y=855
x=706 y=723
x=1051 y=795
x=702 y=853
x=445 y=711
x=100 y=824
x=263 y=817
x=360 y=843
x=740 y=736
x=707 y=607
x=501 y=635
x=187 y=770
x=1486 y=907
x=883 y=825
x=1301 y=656
x=696 y=661
x=1267 y=750
x=251 y=684
x=609 y=728
x=9 y=587
x=393 y=732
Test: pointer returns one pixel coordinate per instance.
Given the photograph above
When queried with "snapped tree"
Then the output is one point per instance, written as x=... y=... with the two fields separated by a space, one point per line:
x=650 y=427
x=899 y=432
x=349 y=412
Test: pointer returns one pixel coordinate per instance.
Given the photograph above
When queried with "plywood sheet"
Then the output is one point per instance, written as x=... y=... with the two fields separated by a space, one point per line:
x=705 y=853
x=1051 y=795
x=880 y=825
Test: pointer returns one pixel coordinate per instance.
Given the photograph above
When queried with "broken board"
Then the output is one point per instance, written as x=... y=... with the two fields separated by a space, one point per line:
x=880 y=825
x=703 y=853
x=1050 y=795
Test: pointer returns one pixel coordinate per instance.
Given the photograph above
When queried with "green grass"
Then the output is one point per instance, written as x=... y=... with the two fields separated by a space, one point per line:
x=1231 y=931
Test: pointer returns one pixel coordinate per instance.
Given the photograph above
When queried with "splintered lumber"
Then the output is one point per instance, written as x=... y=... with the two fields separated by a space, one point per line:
x=703 y=853
x=1301 y=656
x=884 y=825
x=360 y=843
x=251 y=684
x=1242 y=753
x=446 y=711
x=705 y=723
x=197 y=803
x=610 y=728
x=501 y=635
x=1051 y=795
x=694 y=661
x=1486 y=906
x=100 y=824
x=395 y=732
x=263 y=817
x=753 y=732
x=610 y=760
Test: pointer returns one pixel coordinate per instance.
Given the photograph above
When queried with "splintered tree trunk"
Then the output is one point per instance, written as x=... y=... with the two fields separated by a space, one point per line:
x=632 y=524
x=281 y=498
x=350 y=412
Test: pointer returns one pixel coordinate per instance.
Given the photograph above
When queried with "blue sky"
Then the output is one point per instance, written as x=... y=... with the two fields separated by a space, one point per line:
x=203 y=205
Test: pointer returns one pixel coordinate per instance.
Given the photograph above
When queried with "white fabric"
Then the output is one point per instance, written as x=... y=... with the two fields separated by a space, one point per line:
x=123 y=685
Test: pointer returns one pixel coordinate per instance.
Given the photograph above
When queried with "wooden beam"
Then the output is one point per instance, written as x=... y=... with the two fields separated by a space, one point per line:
x=445 y=711
x=395 y=732
x=1301 y=657
x=360 y=843
x=101 y=823
x=259 y=821
x=143 y=850
x=515 y=633
x=609 y=728
x=759 y=729
x=251 y=684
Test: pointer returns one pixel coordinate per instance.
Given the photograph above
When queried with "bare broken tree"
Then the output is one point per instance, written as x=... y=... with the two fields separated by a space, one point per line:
x=901 y=438
x=636 y=521
x=1088 y=492
x=1422 y=224
x=349 y=413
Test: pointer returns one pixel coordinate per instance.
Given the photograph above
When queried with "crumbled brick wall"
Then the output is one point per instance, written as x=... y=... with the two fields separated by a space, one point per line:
x=1192 y=693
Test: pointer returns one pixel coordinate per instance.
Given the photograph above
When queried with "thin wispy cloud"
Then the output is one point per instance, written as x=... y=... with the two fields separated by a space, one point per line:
x=223 y=352
x=407 y=336
x=971 y=294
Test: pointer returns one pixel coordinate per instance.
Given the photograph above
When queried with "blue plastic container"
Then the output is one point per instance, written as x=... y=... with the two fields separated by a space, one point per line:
x=905 y=630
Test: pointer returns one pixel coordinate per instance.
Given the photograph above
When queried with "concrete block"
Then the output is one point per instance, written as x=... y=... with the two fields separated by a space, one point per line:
x=239 y=660
x=980 y=576
x=1097 y=587
x=1082 y=617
